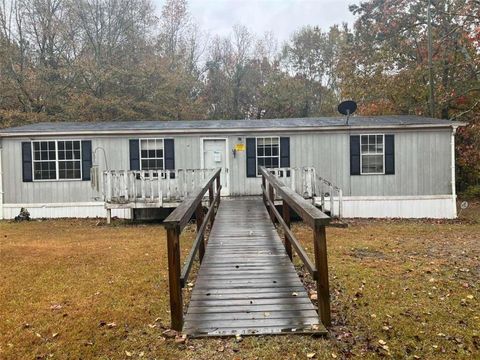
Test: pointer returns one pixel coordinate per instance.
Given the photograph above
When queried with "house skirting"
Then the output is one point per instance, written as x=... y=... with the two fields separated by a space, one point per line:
x=64 y=210
x=432 y=206
x=428 y=206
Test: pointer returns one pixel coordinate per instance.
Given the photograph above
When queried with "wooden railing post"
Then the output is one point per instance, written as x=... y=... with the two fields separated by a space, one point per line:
x=323 y=292
x=271 y=196
x=199 y=216
x=176 y=302
x=210 y=202
x=264 y=184
x=286 y=218
x=218 y=190
x=218 y=183
x=210 y=195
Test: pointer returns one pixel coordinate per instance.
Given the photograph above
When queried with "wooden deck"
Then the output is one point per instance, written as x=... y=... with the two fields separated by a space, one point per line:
x=246 y=283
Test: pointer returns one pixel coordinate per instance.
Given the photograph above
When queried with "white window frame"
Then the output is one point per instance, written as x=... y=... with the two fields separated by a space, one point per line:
x=142 y=158
x=57 y=172
x=383 y=155
x=256 y=151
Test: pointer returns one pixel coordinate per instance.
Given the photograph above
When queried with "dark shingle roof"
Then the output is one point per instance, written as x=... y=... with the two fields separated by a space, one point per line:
x=228 y=125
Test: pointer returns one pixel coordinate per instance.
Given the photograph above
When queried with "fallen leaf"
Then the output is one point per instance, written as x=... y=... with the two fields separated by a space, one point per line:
x=334 y=355
x=221 y=349
x=169 y=333
x=111 y=325
x=238 y=337
x=128 y=353
x=267 y=314
x=294 y=294
x=311 y=355
x=382 y=342
x=54 y=335
x=470 y=297
x=180 y=339
x=56 y=307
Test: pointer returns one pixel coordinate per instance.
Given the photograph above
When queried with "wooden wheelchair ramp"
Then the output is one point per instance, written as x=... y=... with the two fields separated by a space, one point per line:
x=246 y=283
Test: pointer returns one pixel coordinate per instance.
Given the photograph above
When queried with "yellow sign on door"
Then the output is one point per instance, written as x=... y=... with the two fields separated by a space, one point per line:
x=240 y=147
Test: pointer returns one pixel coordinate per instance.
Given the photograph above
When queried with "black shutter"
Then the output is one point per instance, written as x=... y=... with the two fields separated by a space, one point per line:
x=284 y=152
x=169 y=153
x=251 y=157
x=86 y=159
x=134 y=154
x=389 y=154
x=27 y=161
x=355 y=155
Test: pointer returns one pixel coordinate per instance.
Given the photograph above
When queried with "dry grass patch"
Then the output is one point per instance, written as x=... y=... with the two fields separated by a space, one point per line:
x=72 y=289
x=64 y=281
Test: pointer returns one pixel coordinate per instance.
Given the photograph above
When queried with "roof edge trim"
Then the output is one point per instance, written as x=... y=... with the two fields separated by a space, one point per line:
x=229 y=131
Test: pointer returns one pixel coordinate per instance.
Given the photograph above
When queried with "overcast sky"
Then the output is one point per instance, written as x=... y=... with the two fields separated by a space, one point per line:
x=282 y=17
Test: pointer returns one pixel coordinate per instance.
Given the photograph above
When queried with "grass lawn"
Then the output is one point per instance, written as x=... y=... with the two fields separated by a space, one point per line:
x=77 y=289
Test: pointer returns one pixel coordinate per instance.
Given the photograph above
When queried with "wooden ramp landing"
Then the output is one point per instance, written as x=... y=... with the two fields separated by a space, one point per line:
x=246 y=283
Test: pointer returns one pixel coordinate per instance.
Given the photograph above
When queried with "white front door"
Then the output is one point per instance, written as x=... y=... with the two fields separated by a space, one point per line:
x=215 y=156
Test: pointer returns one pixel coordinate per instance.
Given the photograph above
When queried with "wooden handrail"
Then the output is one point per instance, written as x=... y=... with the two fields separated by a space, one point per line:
x=308 y=212
x=198 y=241
x=313 y=217
x=292 y=239
x=183 y=213
x=175 y=223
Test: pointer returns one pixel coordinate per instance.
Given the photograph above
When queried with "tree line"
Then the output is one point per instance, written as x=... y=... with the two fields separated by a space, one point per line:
x=98 y=60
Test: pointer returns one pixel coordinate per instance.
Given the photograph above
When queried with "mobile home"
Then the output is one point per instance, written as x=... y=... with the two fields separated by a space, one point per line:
x=385 y=166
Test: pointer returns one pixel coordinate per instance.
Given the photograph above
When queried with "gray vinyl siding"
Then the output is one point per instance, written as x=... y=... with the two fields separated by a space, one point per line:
x=422 y=165
x=187 y=155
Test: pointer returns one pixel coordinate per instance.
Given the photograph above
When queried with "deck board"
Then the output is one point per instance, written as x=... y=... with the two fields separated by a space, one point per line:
x=246 y=283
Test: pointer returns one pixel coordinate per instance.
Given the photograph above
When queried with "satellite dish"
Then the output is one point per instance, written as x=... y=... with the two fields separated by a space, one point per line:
x=347 y=108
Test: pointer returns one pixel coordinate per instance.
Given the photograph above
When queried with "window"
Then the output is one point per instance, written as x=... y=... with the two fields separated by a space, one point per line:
x=57 y=160
x=372 y=154
x=44 y=160
x=268 y=152
x=151 y=154
x=69 y=160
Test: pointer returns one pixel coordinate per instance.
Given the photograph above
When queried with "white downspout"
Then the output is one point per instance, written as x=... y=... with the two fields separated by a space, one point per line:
x=1 y=185
x=454 y=194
